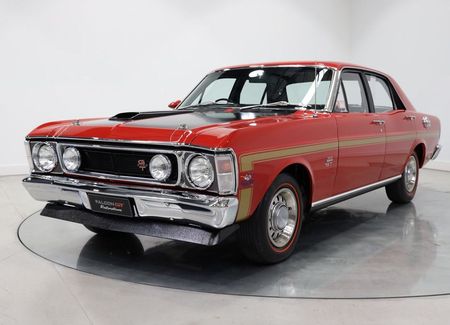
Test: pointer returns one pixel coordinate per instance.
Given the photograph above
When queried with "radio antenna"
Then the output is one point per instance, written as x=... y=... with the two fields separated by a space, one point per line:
x=315 y=89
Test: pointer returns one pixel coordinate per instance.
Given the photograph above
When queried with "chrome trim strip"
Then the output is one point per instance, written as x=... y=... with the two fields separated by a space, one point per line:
x=208 y=210
x=178 y=145
x=354 y=192
x=262 y=65
x=436 y=151
x=332 y=89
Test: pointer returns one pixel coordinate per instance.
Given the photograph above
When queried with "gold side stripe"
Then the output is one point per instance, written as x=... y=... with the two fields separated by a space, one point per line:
x=361 y=142
x=245 y=199
x=429 y=134
x=248 y=160
x=400 y=137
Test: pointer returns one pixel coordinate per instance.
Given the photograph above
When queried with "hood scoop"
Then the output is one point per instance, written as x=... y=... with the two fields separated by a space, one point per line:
x=134 y=116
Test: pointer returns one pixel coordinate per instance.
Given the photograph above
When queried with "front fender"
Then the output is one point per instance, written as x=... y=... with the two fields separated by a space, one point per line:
x=255 y=182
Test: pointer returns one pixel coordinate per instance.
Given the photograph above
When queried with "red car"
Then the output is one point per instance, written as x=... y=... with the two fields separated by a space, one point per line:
x=253 y=148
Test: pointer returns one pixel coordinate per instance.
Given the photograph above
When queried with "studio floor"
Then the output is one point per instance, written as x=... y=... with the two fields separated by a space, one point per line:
x=34 y=290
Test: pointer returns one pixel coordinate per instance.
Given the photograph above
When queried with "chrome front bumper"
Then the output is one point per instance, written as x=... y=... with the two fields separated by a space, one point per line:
x=208 y=210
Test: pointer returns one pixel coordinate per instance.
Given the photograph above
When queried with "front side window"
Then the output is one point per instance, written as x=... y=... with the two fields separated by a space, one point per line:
x=355 y=94
x=341 y=105
x=306 y=86
x=381 y=95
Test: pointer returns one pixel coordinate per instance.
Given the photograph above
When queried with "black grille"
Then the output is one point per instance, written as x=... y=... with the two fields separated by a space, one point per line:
x=122 y=163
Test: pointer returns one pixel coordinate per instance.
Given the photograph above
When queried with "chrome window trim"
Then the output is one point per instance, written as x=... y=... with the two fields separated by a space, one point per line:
x=332 y=98
x=318 y=65
x=332 y=90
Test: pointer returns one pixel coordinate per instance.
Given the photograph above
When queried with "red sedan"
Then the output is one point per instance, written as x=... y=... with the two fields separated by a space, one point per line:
x=253 y=148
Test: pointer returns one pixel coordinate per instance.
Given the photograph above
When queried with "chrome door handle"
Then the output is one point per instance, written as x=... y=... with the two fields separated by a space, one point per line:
x=410 y=117
x=378 y=122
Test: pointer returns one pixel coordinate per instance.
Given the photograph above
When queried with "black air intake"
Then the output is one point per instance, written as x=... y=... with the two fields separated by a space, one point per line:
x=133 y=116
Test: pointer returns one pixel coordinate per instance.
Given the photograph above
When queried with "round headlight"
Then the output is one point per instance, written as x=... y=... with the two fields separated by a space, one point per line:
x=71 y=159
x=44 y=157
x=200 y=172
x=160 y=167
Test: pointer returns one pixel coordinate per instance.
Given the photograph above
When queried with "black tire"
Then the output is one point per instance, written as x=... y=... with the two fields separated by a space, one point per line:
x=398 y=191
x=101 y=231
x=254 y=235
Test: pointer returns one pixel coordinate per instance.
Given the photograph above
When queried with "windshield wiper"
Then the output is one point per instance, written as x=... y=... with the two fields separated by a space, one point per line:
x=210 y=102
x=281 y=104
x=198 y=105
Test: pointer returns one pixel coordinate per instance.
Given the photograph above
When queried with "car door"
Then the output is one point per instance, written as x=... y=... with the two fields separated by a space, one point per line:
x=361 y=135
x=399 y=124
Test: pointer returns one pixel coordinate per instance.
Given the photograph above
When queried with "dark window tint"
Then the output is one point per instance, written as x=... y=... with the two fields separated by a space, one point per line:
x=354 y=93
x=381 y=94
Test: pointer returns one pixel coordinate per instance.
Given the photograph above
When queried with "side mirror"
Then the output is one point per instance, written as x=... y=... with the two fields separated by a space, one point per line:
x=174 y=104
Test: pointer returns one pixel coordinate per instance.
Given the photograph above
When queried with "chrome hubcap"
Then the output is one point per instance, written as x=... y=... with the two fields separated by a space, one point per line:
x=411 y=174
x=283 y=215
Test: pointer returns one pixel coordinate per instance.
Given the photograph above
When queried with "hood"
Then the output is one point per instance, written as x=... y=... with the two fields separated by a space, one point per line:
x=214 y=125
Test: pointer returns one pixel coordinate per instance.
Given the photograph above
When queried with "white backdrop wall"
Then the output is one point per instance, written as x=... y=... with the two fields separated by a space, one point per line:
x=409 y=39
x=74 y=59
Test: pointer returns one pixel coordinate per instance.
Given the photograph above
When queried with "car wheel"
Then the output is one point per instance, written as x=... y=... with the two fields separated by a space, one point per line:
x=101 y=231
x=270 y=235
x=404 y=189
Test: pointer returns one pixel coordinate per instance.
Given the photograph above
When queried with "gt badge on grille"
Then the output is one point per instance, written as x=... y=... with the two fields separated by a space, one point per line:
x=142 y=164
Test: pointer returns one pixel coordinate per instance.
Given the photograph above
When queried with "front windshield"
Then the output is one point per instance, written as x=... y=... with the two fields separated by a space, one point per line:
x=304 y=86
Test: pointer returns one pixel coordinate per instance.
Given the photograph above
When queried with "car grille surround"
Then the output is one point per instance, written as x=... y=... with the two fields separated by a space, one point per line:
x=122 y=163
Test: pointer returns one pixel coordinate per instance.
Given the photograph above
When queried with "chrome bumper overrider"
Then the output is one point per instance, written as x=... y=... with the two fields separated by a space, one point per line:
x=209 y=210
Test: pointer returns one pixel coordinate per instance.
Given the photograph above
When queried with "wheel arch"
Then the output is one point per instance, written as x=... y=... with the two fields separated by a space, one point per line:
x=265 y=174
x=420 y=151
x=304 y=177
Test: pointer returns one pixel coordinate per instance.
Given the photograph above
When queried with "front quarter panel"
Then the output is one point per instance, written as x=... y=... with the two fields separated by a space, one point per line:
x=264 y=151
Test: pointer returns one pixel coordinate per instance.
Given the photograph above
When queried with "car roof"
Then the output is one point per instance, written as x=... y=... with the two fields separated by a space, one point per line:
x=330 y=64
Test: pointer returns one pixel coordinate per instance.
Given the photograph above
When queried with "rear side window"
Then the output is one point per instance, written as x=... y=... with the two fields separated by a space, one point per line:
x=381 y=94
x=354 y=93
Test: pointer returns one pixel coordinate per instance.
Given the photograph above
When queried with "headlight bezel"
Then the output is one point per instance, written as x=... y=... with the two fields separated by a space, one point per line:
x=77 y=154
x=188 y=174
x=35 y=149
x=168 y=162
